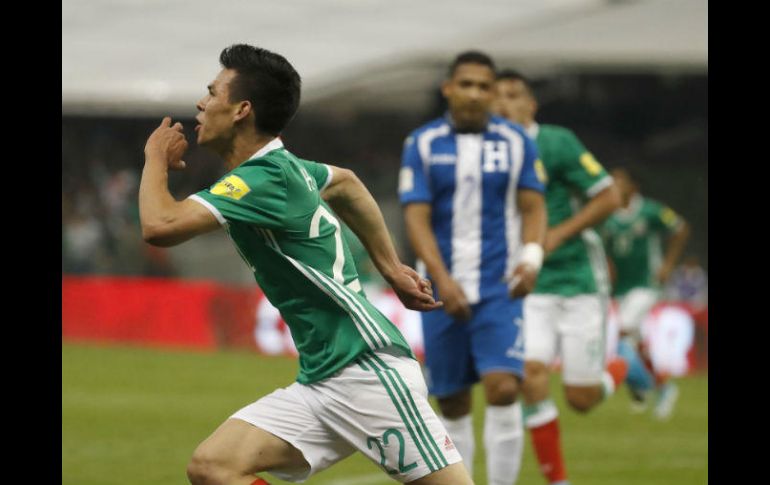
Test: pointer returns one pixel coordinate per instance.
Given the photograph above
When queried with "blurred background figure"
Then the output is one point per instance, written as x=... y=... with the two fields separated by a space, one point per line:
x=689 y=283
x=644 y=240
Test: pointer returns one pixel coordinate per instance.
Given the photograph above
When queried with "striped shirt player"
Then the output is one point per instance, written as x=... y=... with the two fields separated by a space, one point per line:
x=271 y=208
x=471 y=181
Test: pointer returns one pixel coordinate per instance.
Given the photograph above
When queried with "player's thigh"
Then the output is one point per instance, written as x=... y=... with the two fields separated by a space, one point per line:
x=498 y=348
x=240 y=448
x=582 y=330
x=380 y=406
x=634 y=306
x=449 y=367
x=286 y=416
x=455 y=474
x=542 y=314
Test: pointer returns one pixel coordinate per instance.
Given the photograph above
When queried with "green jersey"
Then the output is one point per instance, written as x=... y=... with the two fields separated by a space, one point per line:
x=634 y=239
x=573 y=175
x=271 y=208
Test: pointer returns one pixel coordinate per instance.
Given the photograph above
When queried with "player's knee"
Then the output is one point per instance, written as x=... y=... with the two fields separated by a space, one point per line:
x=535 y=385
x=582 y=400
x=205 y=470
x=501 y=392
x=456 y=405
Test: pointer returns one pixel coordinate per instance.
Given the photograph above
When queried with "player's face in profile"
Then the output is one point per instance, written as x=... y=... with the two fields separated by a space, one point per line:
x=217 y=114
x=513 y=101
x=470 y=92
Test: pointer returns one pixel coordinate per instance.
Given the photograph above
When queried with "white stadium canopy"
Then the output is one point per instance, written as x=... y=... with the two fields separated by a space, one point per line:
x=150 y=56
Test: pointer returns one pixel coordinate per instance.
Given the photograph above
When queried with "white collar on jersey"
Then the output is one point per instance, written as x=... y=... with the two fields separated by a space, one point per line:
x=533 y=129
x=274 y=144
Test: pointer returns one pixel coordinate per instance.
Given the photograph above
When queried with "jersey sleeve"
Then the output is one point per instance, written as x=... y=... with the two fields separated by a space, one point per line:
x=582 y=170
x=320 y=172
x=663 y=218
x=254 y=194
x=532 y=175
x=412 y=181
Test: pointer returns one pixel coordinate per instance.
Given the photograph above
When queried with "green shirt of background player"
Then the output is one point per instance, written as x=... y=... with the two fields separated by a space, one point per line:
x=635 y=236
x=259 y=203
x=565 y=314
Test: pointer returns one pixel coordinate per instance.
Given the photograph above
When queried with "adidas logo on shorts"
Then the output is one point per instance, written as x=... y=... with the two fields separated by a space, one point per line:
x=448 y=445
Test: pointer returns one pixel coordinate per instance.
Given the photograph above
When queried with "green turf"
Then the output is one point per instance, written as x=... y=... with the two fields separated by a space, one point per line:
x=133 y=416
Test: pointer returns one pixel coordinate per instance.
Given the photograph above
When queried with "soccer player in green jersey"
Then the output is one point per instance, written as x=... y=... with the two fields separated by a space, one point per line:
x=634 y=237
x=359 y=387
x=565 y=315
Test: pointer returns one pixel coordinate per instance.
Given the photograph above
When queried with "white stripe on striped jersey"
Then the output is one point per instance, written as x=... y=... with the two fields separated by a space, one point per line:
x=332 y=293
x=466 y=216
x=424 y=141
x=512 y=216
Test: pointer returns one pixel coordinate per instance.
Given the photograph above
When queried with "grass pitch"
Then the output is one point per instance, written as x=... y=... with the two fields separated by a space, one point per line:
x=134 y=416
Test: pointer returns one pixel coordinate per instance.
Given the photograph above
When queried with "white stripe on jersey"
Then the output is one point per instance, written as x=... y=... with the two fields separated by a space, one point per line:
x=335 y=294
x=466 y=216
x=424 y=141
x=512 y=216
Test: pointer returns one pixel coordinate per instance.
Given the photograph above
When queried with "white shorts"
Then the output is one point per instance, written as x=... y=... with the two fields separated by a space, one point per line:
x=634 y=306
x=572 y=327
x=378 y=406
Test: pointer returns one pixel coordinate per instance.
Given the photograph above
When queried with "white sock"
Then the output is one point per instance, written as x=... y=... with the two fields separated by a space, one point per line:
x=608 y=385
x=504 y=443
x=461 y=432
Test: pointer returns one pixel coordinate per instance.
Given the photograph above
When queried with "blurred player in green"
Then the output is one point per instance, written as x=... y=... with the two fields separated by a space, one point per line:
x=565 y=315
x=359 y=387
x=634 y=237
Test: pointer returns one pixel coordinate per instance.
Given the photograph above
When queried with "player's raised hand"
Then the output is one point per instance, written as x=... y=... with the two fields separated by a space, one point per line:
x=414 y=292
x=169 y=143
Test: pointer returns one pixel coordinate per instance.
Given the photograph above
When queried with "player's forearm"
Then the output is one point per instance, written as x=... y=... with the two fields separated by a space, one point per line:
x=156 y=204
x=353 y=202
x=534 y=219
x=676 y=244
x=594 y=212
x=423 y=240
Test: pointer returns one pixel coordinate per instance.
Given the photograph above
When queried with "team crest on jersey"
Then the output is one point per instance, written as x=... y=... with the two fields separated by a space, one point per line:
x=542 y=175
x=639 y=228
x=495 y=156
x=231 y=186
x=590 y=164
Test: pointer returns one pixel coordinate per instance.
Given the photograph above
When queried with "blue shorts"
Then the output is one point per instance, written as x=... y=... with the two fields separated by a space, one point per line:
x=457 y=352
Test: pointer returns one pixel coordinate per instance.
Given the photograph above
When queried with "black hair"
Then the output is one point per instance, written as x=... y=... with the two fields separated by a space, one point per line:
x=265 y=79
x=471 y=57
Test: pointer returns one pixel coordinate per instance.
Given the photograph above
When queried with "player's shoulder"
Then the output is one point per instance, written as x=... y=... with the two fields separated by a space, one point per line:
x=557 y=131
x=498 y=123
x=438 y=126
x=270 y=165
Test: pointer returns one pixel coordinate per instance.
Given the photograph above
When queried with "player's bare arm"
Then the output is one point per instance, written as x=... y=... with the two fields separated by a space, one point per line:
x=596 y=210
x=674 y=249
x=353 y=202
x=166 y=221
x=534 y=223
x=423 y=240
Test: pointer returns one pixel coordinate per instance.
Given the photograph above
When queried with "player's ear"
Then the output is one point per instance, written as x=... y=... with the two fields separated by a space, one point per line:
x=244 y=109
x=446 y=88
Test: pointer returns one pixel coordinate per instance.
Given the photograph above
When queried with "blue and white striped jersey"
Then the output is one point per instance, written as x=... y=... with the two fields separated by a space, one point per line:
x=470 y=180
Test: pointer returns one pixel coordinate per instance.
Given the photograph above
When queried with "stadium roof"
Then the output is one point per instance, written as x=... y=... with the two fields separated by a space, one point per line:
x=145 y=56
